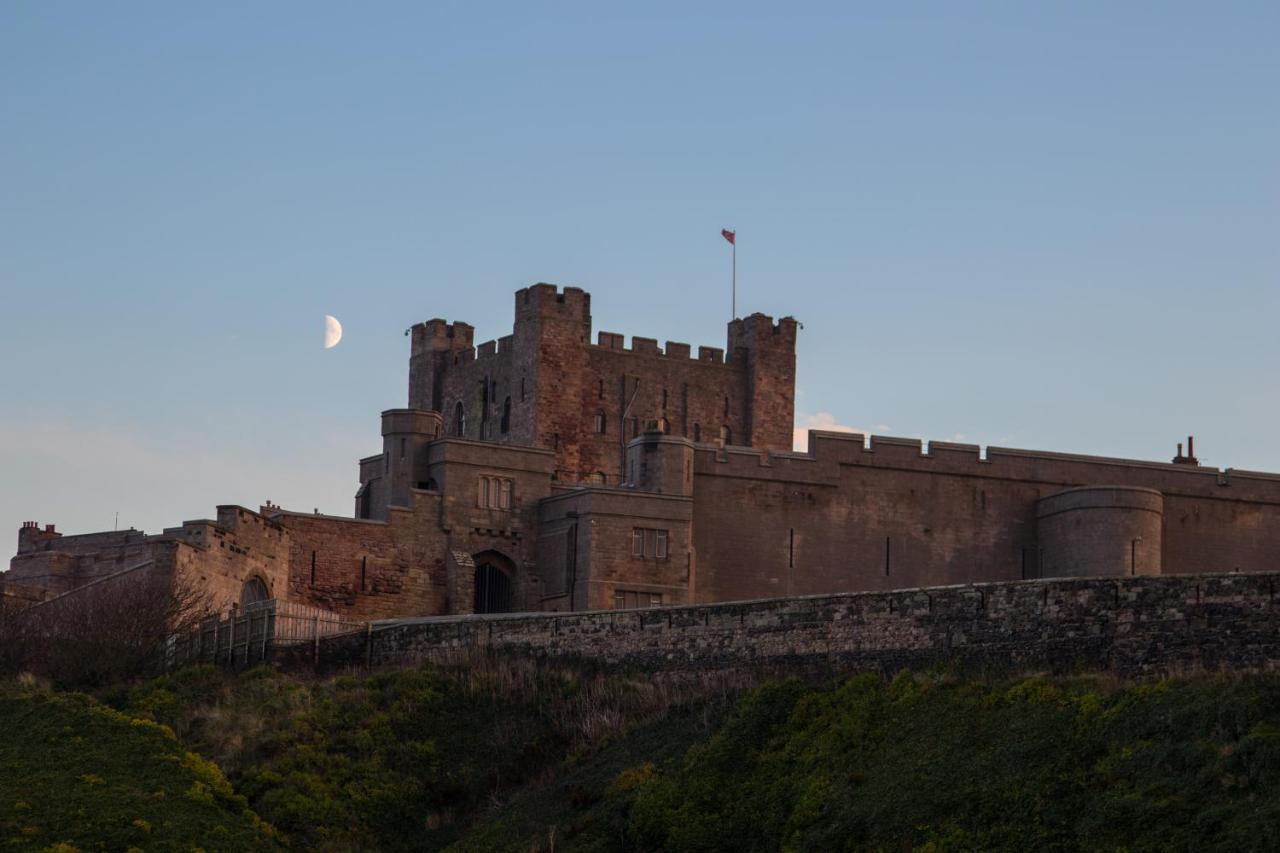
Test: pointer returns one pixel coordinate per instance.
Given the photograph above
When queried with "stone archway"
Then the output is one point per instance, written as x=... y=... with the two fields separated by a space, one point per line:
x=253 y=591
x=494 y=583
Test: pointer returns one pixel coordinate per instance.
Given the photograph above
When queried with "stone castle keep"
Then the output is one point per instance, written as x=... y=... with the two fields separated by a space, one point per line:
x=547 y=472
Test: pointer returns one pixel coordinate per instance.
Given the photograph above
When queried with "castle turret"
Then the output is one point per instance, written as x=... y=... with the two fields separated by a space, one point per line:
x=661 y=463
x=769 y=350
x=436 y=344
x=552 y=331
x=1093 y=531
x=405 y=435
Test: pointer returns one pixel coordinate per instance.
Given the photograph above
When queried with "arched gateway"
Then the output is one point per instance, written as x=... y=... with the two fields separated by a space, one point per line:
x=253 y=591
x=495 y=585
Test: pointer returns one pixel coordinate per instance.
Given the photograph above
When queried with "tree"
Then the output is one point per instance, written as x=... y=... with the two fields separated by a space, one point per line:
x=107 y=631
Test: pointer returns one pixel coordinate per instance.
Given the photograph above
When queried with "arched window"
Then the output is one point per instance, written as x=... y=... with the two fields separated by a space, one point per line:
x=602 y=424
x=596 y=479
x=726 y=435
x=697 y=432
x=505 y=424
x=459 y=420
x=664 y=426
x=600 y=391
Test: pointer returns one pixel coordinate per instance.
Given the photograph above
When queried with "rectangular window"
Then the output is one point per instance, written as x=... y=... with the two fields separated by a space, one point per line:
x=627 y=599
x=504 y=495
x=649 y=542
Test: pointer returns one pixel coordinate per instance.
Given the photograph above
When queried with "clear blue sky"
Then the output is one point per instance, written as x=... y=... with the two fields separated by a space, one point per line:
x=1043 y=225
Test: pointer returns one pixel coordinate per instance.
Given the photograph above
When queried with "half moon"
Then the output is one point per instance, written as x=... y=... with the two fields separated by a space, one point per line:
x=332 y=331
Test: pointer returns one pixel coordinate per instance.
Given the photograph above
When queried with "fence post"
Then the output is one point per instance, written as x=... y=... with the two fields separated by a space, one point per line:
x=231 y=643
x=262 y=654
x=368 y=647
x=315 y=638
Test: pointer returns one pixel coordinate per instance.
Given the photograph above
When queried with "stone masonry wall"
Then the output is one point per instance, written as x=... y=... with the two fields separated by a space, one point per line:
x=848 y=516
x=369 y=569
x=58 y=563
x=1132 y=626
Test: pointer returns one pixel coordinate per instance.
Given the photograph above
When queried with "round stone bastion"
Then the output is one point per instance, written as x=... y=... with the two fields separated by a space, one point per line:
x=1100 y=531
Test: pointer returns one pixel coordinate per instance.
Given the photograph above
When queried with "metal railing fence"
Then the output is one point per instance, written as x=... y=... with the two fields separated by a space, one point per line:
x=246 y=635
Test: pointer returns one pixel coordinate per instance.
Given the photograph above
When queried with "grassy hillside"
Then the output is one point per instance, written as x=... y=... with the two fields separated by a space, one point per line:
x=398 y=760
x=1030 y=765
x=920 y=764
x=510 y=755
x=77 y=775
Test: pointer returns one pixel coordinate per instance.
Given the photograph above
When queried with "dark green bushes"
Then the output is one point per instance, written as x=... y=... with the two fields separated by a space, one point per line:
x=1032 y=764
x=508 y=754
x=75 y=774
x=397 y=760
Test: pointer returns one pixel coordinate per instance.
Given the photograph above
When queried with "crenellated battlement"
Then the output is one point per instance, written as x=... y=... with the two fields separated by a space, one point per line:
x=649 y=346
x=547 y=299
x=503 y=346
x=759 y=330
x=438 y=335
x=830 y=451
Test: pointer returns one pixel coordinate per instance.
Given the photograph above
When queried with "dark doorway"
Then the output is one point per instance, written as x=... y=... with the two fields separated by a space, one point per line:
x=254 y=590
x=493 y=589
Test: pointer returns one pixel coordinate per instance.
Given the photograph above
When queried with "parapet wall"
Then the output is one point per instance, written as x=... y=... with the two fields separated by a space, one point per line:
x=1131 y=626
x=829 y=450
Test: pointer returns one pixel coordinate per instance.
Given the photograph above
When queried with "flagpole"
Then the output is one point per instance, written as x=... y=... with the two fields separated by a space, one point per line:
x=732 y=237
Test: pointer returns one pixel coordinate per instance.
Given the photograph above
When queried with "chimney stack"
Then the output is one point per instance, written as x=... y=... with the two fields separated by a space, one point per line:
x=1190 y=457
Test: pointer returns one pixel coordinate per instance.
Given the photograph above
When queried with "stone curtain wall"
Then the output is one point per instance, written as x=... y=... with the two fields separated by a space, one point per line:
x=1131 y=626
x=853 y=516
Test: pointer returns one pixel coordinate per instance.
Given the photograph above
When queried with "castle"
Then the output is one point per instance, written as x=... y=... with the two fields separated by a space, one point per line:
x=545 y=472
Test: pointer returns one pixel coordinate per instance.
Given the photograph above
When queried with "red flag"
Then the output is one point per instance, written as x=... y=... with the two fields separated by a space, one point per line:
x=729 y=235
